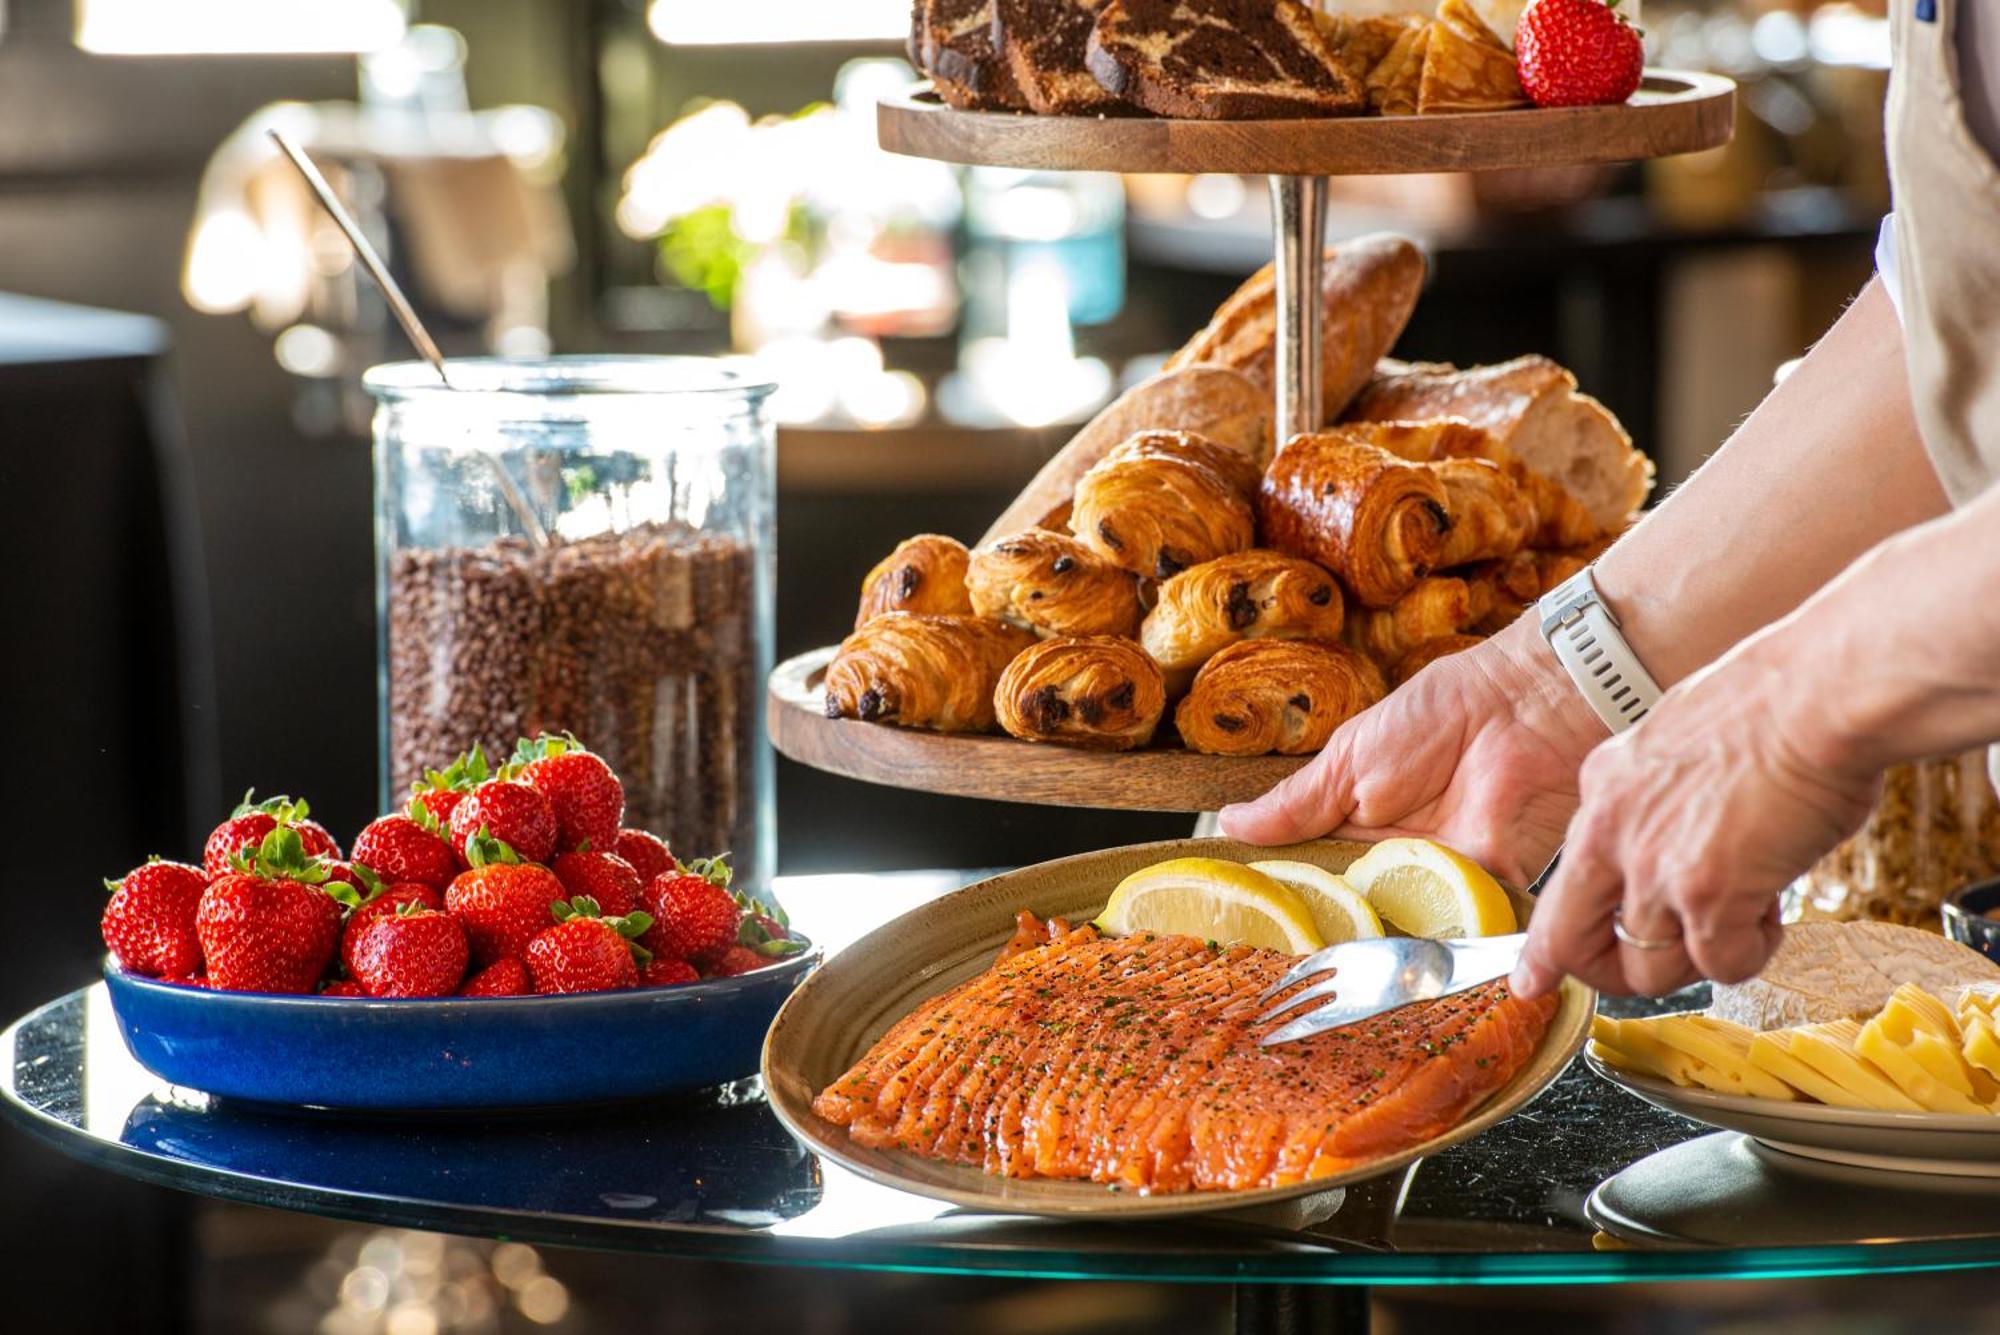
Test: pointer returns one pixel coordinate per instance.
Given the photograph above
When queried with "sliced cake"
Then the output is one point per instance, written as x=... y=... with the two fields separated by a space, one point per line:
x=1220 y=59
x=952 y=41
x=1042 y=44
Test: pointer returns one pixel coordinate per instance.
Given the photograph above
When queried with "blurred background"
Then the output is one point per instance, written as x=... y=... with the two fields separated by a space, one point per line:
x=183 y=439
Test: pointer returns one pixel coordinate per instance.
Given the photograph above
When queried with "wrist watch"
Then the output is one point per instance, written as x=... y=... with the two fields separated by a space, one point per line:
x=1589 y=645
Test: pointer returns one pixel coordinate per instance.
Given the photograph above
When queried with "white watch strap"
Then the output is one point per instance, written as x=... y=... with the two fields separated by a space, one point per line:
x=1589 y=645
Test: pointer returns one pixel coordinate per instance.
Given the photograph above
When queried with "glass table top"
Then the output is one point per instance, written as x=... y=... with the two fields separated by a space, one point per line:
x=715 y=1175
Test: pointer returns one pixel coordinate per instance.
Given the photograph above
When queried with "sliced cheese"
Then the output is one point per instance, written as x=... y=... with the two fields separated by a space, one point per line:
x=1877 y=1043
x=1926 y=1040
x=1829 y=1049
x=1982 y=1046
x=1978 y=999
x=1768 y=1052
x=1633 y=1048
x=1723 y=1049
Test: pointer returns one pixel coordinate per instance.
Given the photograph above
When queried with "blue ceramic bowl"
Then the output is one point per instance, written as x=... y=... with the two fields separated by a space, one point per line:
x=1965 y=919
x=437 y=1054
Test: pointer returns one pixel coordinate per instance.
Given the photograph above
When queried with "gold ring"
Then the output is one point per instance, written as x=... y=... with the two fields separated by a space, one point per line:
x=1638 y=942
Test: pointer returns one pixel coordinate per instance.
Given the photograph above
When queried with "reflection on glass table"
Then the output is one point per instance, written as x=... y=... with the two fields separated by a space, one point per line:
x=714 y=1175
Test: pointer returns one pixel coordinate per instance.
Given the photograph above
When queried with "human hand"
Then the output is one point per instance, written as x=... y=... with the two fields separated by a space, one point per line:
x=1479 y=751
x=1689 y=826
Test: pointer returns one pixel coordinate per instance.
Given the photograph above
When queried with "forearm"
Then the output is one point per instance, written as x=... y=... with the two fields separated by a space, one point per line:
x=1828 y=466
x=1899 y=658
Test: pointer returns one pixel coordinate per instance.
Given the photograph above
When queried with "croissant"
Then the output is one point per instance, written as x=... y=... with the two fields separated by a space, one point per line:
x=1233 y=466
x=1053 y=585
x=1275 y=695
x=1429 y=652
x=924 y=574
x=1156 y=515
x=1491 y=517
x=922 y=671
x=1245 y=595
x=1438 y=605
x=1098 y=691
x=1377 y=521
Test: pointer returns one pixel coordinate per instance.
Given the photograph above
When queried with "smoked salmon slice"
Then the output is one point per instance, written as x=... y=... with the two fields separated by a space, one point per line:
x=1135 y=1061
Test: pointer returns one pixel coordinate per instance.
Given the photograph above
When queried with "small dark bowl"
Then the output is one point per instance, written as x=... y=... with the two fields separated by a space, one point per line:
x=441 y=1053
x=1965 y=919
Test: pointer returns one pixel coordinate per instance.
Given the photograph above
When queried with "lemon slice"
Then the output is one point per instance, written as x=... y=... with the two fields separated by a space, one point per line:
x=1426 y=889
x=1214 y=900
x=1339 y=913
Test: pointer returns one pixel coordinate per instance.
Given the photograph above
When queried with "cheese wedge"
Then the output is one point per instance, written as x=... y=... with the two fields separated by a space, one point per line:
x=1768 y=1053
x=1828 y=971
x=1723 y=1049
x=1829 y=1049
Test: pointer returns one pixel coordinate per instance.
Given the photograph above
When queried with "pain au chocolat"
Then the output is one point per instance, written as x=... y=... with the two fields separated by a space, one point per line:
x=1155 y=515
x=924 y=574
x=1285 y=696
x=1100 y=692
x=1252 y=594
x=1377 y=521
x=1052 y=584
x=921 y=671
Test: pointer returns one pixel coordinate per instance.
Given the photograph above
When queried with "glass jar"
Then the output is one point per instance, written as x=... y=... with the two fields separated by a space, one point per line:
x=582 y=544
x=1936 y=828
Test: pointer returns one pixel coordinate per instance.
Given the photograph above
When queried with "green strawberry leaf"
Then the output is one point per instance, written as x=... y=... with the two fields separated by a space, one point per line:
x=113 y=886
x=340 y=892
x=370 y=879
x=715 y=870
x=410 y=908
x=779 y=949
x=483 y=850
x=423 y=816
x=634 y=924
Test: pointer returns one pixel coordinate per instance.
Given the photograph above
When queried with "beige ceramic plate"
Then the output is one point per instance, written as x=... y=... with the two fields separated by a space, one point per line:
x=1960 y=1145
x=841 y=1010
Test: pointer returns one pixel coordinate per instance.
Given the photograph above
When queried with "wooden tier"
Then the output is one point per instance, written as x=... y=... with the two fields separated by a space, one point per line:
x=1675 y=111
x=1003 y=769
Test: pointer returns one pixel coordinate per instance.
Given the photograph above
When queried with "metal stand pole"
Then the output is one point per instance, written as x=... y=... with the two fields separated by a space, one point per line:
x=1298 y=225
x=1301 y=1309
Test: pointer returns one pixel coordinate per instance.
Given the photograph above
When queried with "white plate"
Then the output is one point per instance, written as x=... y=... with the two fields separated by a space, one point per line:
x=1950 y=1143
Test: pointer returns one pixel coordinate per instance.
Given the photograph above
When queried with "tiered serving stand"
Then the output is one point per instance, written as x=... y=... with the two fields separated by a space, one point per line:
x=1674 y=112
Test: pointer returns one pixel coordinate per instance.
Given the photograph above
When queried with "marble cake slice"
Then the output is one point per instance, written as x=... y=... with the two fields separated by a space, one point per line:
x=1220 y=59
x=1042 y=43
x=952 y=41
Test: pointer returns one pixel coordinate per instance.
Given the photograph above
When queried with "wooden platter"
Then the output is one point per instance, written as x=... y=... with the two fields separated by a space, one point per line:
x=1004 y=769
x=1674 y=111
x=839 y=1012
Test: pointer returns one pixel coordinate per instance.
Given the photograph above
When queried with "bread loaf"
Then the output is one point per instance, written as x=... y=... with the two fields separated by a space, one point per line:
x=1826 y=971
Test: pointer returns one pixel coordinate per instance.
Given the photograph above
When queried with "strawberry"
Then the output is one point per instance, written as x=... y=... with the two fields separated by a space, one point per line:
x=273 y=926
x=511 y=812
x=1577 y=53
x=414 y=951
x=440 y=791
x=765 y=930
x=694 y=916
x=400 y=848
x=343 y=987
x=148 y=923
x=737 y=959
x=252 y=820
x=385 y=899
x=585 y=952
x=648 y=854
x=192 y=980
x=660 y=971
x=501 y=901
x=501 y=978
x=605 y=877
x=587 y=798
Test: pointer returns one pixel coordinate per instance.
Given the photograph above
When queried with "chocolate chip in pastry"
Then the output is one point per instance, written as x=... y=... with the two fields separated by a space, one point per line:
x=1156 y=515
x=1276 y=695
x=1377 y=521
x=1052 y=584
x=1429 y=652
x=1246 y=595
x=921 y=671
x=1436 y=605
x=1098 y=691
x=1233 y=466
x=1491 y=516
x=924 y=574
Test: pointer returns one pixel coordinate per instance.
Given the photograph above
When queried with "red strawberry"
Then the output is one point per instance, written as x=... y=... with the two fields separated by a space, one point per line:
x=271 y=928
x=399 y=848
x=587 y=797
x=694 y=917
x=584 y=952
x=502 y=902
x=501 y=978
x=738 y=959
x=605 y=877
x=192 y=980
x=412 y=952
x=440 y=791
x=648 y=854
x=385 y=900
x=343 y=987
x=148 y=923
x=252 y=820
x=1577 y=53
x=663 y=972
x=511 y=812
